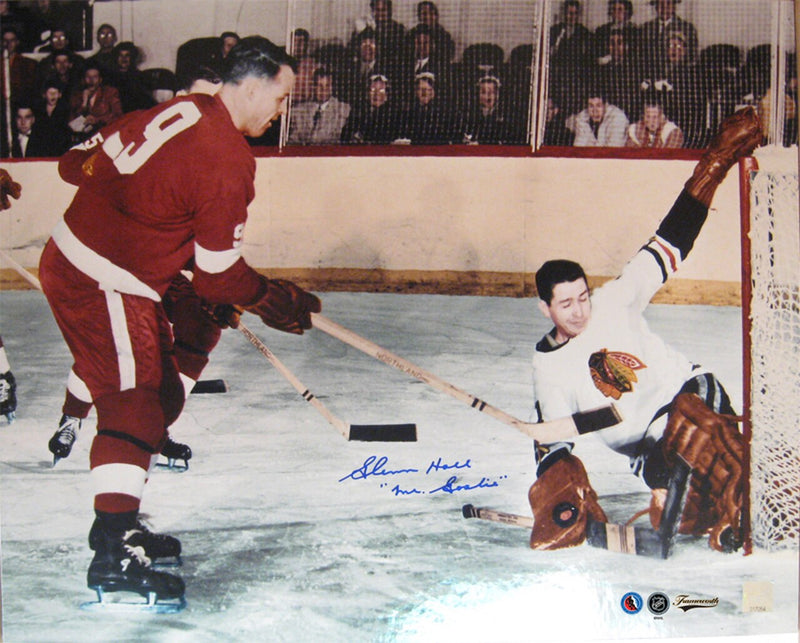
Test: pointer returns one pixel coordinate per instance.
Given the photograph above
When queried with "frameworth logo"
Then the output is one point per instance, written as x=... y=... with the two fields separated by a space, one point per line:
x=685 y=603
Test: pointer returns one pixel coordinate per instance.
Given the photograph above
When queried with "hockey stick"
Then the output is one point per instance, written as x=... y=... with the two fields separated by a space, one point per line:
x=624 y=539
x=360 y=432
x=484 y=513
x=552 y=431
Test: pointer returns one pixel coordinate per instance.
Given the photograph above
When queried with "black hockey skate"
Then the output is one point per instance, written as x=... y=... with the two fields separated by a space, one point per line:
x=174 y=452
x=121 y=566
x=60 y=444
x=8 y=396
x=163 y=550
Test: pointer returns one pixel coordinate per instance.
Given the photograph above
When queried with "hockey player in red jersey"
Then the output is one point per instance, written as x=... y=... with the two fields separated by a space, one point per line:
x=196 y=330
x=158 y=191
x=601 y=348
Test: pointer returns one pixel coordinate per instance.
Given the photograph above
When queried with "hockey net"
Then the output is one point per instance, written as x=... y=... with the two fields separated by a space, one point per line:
x=771 y=302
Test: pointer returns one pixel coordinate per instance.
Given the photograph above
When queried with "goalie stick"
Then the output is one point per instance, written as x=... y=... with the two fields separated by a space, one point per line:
x=625 y=539
x=359 y=432
x=552 y=431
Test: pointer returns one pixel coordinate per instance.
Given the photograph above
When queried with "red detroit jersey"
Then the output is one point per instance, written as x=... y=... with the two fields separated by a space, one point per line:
x=159 y=182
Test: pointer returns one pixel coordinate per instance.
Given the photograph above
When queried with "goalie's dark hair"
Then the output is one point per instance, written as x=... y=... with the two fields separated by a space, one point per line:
x=255 y=56
x=554 y=272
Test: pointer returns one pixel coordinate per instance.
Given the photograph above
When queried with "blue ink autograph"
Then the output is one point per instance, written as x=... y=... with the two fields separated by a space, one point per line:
x=378 y=466
x=374 y=466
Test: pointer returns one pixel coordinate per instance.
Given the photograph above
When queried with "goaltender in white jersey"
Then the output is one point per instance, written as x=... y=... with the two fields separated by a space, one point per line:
x=601 y=350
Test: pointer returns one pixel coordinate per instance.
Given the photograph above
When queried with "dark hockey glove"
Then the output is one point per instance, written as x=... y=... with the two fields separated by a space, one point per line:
x=223 y=315
x=285 y=306
x=562 y=499
x=8 y=187
x=713 y=446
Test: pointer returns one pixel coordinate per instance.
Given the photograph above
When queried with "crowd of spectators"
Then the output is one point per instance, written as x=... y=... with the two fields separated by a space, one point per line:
x=625 y=83
x=614 y=79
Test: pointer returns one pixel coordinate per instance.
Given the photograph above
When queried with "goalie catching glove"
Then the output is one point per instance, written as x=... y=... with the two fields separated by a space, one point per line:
x=562 y=500
x=713 y=446
x=285 y=306
x=8 y=187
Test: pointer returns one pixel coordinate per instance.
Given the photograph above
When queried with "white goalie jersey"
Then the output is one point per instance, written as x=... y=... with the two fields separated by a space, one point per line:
x=617 y=358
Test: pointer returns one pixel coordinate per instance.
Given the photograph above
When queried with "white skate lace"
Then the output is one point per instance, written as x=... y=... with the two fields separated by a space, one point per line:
x=136 y=551
x=67 y=432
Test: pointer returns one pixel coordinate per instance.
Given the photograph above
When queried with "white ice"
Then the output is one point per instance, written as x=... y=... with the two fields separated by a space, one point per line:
x=281 y=545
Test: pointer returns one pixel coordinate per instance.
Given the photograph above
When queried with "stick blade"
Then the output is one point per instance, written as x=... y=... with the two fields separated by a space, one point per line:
x=383 y=432
x=209 y=386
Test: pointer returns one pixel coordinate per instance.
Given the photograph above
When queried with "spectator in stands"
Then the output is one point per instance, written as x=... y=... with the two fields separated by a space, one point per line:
x=306 y=66
x=653 y=129
x=367 y=63
x=655 y=34
x=30 y=141
x=601 y=124
x=46 y=17
x=17 y=17
x=22 y=70
x=104 y=56
x=389 y=34
x=485 y=122
x=227 y=41
x=429 y=120
x=95 y=106
x=127 y=78
x=620 y=74
x=422 y=57
x=442 y=43
x=375 y=119
x=556 y=132
x=571 y=50
x=679 y=85
x=319 y=121
x=52 y=118
x=620 y=13
x=59 y=44
x=69 y=80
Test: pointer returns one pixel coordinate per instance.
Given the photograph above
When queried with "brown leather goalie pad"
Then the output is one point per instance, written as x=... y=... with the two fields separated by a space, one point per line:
x=713 y=446
x=562 y=499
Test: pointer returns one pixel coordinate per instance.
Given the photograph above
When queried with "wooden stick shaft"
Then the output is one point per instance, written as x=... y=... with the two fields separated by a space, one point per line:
x=337 y=423
x=555 y=430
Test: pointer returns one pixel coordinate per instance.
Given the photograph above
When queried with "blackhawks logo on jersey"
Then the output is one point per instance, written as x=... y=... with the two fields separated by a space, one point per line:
x=613 y=372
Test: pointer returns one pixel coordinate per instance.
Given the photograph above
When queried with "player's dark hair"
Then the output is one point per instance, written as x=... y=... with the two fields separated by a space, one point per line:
x=554 y=272
x=255 y=56
x=197 y=72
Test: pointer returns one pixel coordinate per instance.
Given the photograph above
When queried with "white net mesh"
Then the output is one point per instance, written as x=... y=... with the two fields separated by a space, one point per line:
x=775 y=352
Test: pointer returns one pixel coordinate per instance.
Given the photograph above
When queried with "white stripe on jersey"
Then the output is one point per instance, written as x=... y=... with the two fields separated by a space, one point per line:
x=78 y=388
x=127 y=479
x=214 y=262
x=122 y=341
x=108 y=275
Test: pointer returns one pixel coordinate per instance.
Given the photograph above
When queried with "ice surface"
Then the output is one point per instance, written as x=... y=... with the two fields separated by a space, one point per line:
x=282 y=543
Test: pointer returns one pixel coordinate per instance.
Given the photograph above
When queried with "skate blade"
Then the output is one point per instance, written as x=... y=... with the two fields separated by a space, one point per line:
x=151 y=606
x=172 y=465
x=11 y=417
